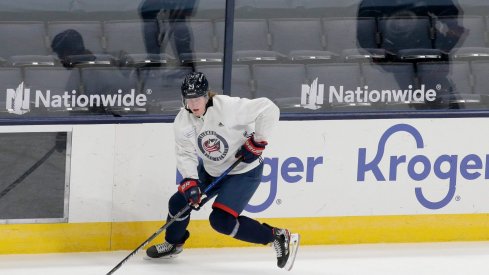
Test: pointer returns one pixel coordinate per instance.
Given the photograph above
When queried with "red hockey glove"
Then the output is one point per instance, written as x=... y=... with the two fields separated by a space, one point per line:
x=251 y=150
x=189 y=188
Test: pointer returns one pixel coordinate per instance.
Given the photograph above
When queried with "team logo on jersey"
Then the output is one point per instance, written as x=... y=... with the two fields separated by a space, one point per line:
x=212 y=145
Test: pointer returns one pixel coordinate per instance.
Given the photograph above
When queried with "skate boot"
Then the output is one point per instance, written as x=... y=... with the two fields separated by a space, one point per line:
x=165 y=250
x=285 y=245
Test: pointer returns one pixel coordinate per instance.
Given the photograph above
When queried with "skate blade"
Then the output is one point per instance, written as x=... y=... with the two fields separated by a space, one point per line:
x=294 y=246
x=146 y=257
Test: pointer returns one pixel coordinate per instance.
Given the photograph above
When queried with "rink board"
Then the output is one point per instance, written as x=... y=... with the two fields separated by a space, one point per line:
x=348 y=181
x=75 y=237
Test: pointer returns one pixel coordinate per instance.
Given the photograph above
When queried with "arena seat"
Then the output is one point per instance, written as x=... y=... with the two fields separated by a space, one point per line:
x=24 y=44
x=393 y=76
x=251 y=41
x=57 y=81
x=240 y=79
x=280 y=83
x=162 y=87
x=408 y=38
x=462 y=37
x=299 y=39
x=451 y=81
x=355 y=39
x=144 y=47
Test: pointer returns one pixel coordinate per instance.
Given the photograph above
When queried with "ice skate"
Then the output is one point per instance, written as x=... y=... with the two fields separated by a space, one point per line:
x=164 y=250
x=285 y=245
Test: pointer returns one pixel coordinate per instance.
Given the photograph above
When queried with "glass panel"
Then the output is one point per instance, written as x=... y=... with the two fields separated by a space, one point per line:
x=364 y=55
x=33 y=172
x=110 y=57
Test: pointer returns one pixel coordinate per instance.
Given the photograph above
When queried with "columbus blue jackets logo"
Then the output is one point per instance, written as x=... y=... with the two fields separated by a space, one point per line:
x=212 y=145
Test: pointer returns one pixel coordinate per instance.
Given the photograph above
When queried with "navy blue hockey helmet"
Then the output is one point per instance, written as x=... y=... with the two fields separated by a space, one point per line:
x=194 y=85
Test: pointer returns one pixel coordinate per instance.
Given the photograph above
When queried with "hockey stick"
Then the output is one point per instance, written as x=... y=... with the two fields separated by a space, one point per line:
x=27 y=173
x=175 y=217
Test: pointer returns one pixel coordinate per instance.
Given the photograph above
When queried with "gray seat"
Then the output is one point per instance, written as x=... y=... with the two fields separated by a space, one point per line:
x=267 y=9
x=162 y=87
x=111 y=81
x=144 y=47
x=202 y=42
x=91 y=31
x=355 y=39
x=451 y=81
x=281 y=83
x=408 y=38
x=251 y=41
x=79 y=43
x=24 y=44
x=396 y=77
x=461 y=37
x=299 y=39
x=480 y=73
x=240 y=79
x=55 y=81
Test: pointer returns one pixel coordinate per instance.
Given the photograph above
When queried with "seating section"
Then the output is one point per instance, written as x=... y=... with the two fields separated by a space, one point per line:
x=291 y=60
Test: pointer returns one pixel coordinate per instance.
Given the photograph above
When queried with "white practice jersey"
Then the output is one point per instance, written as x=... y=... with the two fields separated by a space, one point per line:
x=219 y=134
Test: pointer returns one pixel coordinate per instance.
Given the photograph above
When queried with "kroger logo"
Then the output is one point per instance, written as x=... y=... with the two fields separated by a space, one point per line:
x=419 y=167
x=290 y=170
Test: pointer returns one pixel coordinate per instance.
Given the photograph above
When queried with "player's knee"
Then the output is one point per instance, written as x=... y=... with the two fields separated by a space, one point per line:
x=176 y=203
x=222 y=221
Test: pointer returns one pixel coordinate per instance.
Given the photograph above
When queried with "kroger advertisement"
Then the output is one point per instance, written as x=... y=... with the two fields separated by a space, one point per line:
x=375 y=167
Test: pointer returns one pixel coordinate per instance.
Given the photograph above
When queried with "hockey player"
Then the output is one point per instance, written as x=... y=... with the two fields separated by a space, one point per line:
x=218 y=129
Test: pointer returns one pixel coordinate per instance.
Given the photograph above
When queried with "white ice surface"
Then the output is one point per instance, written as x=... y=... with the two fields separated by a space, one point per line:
x=470 y=258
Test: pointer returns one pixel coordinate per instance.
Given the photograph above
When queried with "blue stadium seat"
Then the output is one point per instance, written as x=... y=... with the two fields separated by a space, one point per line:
x=299 y=39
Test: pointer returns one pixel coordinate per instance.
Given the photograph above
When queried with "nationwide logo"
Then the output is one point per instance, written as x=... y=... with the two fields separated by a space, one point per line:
x=312 y=96
x=20 y=101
